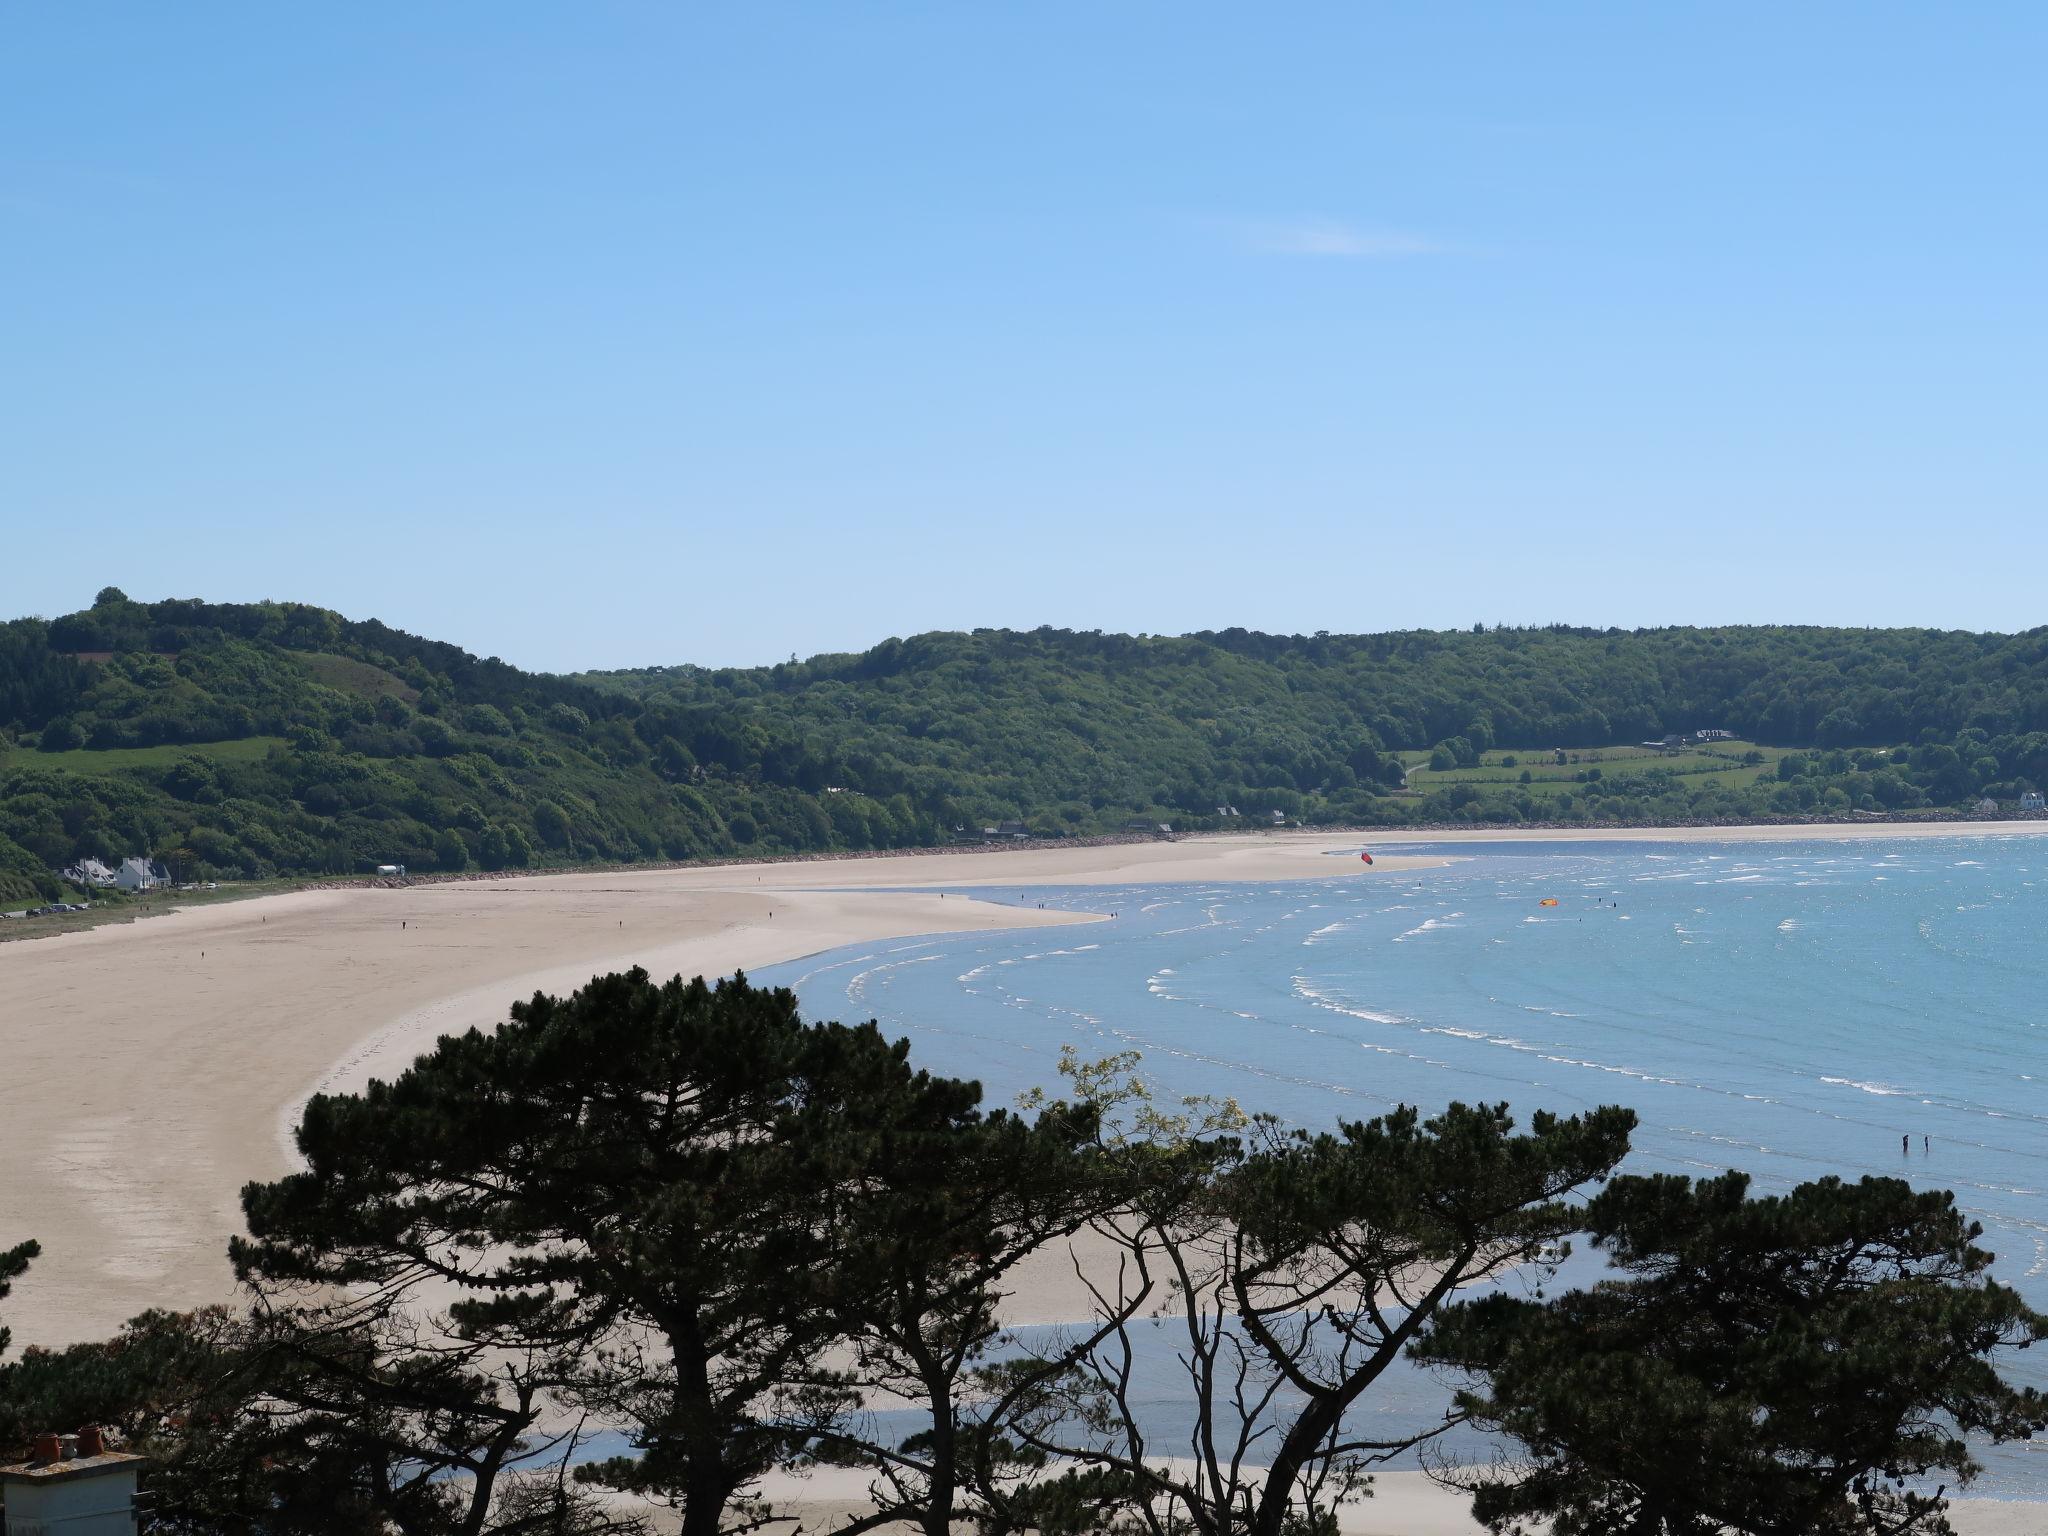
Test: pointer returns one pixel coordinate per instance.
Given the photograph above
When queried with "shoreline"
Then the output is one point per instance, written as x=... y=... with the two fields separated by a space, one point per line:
x=1714 y=832
x=1085 y=848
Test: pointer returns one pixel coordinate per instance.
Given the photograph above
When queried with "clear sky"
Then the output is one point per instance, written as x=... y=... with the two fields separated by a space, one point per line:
x=617 y=334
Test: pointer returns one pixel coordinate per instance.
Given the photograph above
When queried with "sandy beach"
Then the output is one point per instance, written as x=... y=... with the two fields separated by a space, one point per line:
x=154 y=1067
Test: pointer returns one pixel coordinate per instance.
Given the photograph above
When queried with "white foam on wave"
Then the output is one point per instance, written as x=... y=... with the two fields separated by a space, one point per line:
x=1430 y=925
x=1882 y=1090
x=857 y=984
x=1308 y=993
x=1790 y=925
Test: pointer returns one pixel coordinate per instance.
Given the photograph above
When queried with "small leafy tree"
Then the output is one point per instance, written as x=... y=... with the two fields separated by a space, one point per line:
x=1769 y=1366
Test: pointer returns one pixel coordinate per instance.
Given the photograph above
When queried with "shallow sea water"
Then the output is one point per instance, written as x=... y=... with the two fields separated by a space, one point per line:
x=1789 y=1009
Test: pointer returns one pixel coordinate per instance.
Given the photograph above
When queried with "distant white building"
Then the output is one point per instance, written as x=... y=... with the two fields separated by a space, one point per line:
x=90 y=872
x=2032 y=801
x=1713 y=735
x=140 y=875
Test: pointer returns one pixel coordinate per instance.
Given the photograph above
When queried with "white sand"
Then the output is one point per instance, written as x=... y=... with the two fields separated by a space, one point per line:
x=153 y=1068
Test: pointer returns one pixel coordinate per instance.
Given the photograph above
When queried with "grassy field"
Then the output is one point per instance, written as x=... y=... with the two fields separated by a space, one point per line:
x=346 y=675
x=249 y=749
x=1719 y=765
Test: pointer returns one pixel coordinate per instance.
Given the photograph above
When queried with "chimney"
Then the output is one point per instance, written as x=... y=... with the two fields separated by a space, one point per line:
x=73 y=1484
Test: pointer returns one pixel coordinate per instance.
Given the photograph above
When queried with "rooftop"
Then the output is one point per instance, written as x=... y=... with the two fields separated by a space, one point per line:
x=62 y=1470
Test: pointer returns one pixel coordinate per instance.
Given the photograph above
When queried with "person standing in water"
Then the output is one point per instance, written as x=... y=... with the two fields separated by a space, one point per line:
x=1905 y=1145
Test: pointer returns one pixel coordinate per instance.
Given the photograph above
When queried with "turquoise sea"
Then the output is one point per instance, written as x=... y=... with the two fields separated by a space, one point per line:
x=1791 y=1009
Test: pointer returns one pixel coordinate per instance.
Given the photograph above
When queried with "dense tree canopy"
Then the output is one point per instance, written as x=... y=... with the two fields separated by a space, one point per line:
x=274 y=737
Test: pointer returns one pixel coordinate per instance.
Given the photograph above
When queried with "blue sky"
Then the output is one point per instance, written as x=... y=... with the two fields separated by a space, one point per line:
x=616 y=334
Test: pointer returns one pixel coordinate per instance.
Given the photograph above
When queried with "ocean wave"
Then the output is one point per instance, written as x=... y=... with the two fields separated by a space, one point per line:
x=1882 y=1090
x=1430 y=925
x=857 y=984
x=1313 y=995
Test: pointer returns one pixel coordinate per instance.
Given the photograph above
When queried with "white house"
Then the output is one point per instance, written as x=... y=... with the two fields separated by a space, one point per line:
x=90 y=872
x=2032 y=801
x=140 y=875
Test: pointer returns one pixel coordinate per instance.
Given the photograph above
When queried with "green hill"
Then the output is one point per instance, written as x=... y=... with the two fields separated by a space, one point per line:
x=1074 y=732
x=257 y=739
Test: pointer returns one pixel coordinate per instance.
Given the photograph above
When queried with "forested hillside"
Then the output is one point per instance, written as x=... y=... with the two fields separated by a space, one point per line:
x=1065 y=729
x=253 y=739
